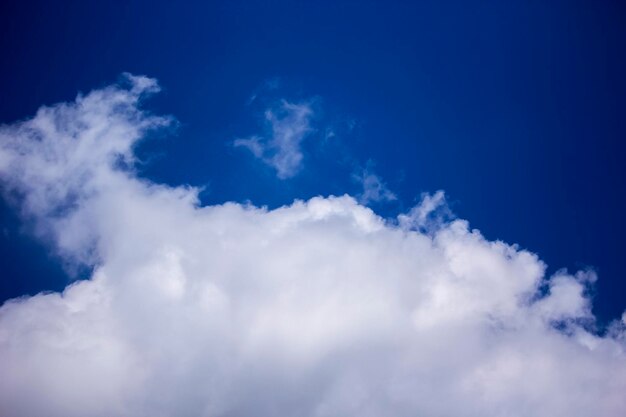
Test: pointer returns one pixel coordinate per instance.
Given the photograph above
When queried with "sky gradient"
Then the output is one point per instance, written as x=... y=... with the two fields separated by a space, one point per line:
x=515 y=110
x=204 y=134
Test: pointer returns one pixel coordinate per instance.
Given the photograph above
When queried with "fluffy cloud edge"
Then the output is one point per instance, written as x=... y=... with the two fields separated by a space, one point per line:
x=317 y=308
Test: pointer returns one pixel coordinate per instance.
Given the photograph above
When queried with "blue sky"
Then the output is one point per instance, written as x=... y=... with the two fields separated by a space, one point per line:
x=515 y=109
x=320 y=208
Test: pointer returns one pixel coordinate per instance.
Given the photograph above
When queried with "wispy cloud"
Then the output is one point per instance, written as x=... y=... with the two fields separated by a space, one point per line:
x=65 y=154
x=374 y=190
x=319 y=308
x=431 y=213
x=268 y=85
x=288 y=125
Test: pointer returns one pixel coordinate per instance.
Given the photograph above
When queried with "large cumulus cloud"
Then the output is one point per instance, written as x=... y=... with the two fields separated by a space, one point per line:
x=319 y=308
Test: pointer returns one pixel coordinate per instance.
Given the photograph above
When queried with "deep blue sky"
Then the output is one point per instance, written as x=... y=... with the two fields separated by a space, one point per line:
x=515 y=109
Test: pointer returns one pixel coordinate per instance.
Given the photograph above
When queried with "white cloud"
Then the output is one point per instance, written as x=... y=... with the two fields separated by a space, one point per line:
x=289 y=124
x=64 y=158
x=374 y=189
x=430 y=214
x=319 y=308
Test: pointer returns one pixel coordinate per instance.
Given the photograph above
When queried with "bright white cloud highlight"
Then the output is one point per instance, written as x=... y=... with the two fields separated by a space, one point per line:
x=288 y=125
x=320 y=308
